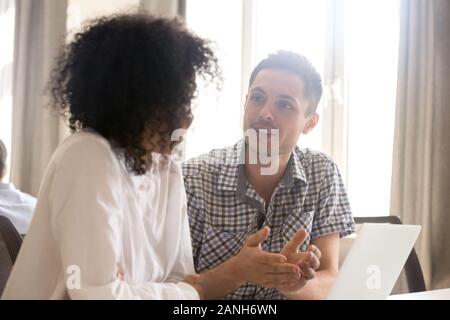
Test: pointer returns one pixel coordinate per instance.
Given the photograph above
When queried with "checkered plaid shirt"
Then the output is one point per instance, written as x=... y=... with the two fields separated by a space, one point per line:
x=224 y=209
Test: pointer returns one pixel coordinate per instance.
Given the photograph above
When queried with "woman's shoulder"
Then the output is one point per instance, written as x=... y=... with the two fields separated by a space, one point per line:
x=84 y=146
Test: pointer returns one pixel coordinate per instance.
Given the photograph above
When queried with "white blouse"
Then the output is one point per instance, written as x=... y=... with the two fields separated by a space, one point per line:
x=101 y=232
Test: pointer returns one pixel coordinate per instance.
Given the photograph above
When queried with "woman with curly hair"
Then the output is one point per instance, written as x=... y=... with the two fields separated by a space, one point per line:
x=111 y=220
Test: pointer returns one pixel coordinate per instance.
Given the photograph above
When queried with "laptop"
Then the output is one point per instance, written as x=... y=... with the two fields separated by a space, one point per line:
x=374 y=261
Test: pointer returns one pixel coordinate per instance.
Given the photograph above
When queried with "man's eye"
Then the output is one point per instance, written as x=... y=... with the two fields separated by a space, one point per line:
x=257 y=98
x=284 y=105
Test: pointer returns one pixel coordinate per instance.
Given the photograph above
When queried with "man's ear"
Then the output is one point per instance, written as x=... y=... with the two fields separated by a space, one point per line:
x=312 y=121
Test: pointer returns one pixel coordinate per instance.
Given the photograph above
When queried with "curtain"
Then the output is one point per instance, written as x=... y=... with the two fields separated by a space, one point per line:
x=36 y=131
x=420 y=191
x=168 y=8
x=6 y=67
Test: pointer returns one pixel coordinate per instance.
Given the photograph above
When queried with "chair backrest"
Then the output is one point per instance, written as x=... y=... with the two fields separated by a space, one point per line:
x=411 y=278
x=10 y=242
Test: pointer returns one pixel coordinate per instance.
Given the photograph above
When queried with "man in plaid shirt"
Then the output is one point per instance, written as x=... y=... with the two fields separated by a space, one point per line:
x=270 y=235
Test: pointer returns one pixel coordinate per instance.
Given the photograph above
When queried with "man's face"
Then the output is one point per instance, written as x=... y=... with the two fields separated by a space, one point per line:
x=276 y=100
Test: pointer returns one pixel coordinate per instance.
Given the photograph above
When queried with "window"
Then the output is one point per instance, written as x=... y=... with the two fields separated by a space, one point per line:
x=7 y=17
x=217 y=115
x=357 y=57
x=81 y=10
x=371 y=82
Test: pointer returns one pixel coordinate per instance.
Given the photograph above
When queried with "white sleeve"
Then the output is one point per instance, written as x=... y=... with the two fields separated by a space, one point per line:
x=86 y=203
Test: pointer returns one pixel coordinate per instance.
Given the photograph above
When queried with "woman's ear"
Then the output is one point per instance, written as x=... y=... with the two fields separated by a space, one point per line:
x=312 y=121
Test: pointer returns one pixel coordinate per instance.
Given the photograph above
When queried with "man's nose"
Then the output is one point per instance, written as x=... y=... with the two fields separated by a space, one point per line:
x=266 y=112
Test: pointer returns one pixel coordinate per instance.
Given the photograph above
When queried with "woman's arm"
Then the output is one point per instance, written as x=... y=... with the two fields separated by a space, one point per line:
x=87 y=209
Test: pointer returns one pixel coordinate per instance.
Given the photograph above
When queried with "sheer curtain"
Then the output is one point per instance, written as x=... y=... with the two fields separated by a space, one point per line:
x=165 y=7
x=421 y=157
x=7 y=16
x=36 y=132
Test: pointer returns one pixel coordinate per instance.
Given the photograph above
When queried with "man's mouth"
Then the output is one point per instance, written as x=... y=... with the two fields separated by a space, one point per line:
x=265 y=130
x=264 y=127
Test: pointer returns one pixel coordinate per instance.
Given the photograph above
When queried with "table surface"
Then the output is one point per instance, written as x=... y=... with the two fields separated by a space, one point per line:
x=441 y=294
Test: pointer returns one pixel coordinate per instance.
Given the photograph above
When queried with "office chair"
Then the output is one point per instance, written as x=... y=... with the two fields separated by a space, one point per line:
x=10 y=242
x=412 y=268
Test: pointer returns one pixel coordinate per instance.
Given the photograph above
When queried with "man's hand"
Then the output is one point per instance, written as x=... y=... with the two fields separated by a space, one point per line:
x=266 y=269
x=308 y=261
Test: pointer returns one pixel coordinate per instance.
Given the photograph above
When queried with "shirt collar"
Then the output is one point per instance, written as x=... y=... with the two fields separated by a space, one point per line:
x=230 y=165
x=295 y=169
x=6 y=186
x=232 y=173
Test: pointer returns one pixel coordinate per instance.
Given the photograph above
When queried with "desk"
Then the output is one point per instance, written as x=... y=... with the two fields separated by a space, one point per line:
x=442 y=294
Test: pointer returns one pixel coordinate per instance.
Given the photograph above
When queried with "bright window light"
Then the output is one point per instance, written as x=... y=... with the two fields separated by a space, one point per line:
x=371 y=51
x=217 y=115
x=7 y=17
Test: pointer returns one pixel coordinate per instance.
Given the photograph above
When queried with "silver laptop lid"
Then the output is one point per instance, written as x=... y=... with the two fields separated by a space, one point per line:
x=374 y=261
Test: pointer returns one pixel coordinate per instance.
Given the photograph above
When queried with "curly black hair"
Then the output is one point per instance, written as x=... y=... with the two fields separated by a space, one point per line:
x=130 y=76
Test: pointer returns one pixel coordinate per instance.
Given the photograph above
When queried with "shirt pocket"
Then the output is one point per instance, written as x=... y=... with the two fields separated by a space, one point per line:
x=295 y=222
x=218 y=246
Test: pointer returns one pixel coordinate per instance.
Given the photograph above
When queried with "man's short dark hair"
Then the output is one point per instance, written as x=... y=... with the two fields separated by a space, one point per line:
x=298 y=65
x=3 y=155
